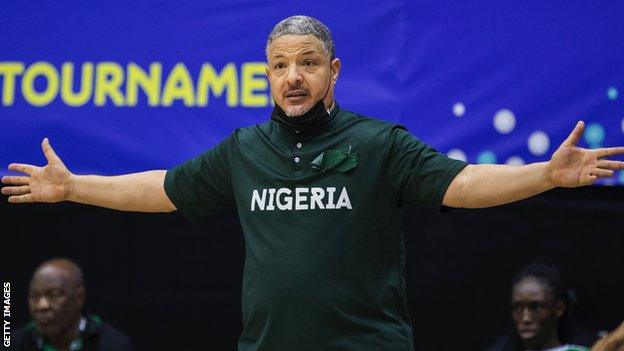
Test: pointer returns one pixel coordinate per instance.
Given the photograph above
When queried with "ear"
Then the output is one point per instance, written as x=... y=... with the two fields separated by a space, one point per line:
x=335 y=68
x=560 y=308
x=80 y=297
x=266 y=69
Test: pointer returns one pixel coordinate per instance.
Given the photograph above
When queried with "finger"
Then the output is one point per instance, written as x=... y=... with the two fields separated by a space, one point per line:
x=16 y=180
x=606 y=164
x=576 y=134
x=21 y=199
x=609 y=151
x=20 y=167
x=602 y=173
x=48 y=151
x=16 y=190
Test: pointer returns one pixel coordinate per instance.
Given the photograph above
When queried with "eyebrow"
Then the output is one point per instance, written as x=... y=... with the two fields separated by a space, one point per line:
x=308 y=52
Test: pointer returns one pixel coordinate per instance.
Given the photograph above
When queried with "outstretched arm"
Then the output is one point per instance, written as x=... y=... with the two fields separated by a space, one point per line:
x=54 y=183
x=570 y=166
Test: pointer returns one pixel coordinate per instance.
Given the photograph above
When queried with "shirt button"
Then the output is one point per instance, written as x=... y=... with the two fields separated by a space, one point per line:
x=297 y=159
x=299 y=145
x=297 y=131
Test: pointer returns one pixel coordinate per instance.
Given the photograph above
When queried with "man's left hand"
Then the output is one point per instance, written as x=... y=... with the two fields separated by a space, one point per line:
x=572 y=166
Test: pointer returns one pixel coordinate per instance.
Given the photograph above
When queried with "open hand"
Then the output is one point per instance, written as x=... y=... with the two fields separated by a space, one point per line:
x=50 y=183
x=572 y=166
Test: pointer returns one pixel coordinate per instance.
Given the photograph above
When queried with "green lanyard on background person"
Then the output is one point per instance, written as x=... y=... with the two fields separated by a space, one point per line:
x=569 y=348
x=76 y=344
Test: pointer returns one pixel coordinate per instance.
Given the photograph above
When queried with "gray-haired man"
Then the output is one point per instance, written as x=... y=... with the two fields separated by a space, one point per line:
x=319 y=191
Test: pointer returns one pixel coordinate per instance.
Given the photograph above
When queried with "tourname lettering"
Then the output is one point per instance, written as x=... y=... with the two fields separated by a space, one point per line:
x=125 y=84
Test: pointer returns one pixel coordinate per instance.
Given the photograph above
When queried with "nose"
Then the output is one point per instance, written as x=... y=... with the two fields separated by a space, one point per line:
x=526 y=316
x=42 y=304
x=293 y=76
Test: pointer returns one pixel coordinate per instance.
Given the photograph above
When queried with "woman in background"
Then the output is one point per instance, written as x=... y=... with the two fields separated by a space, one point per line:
x=541 y=311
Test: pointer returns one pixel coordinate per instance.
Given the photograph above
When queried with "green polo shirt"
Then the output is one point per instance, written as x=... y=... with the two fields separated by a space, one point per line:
x=324 y=260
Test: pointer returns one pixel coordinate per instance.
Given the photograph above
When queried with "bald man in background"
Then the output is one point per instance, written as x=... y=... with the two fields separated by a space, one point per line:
x=56 y=300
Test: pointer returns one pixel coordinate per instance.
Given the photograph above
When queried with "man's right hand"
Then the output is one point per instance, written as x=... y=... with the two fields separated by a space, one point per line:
x=50 y=183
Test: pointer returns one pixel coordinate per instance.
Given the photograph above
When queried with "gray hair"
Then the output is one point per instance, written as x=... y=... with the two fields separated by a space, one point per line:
x=303 y=25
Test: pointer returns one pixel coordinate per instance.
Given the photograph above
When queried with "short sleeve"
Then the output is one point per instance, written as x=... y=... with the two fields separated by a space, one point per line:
x=203 y=185
x=418 y=173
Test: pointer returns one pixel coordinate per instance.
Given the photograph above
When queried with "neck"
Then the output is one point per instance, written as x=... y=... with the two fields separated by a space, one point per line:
x=550 y=342
x=64 y=338
x=330 y=108
x=553 y=341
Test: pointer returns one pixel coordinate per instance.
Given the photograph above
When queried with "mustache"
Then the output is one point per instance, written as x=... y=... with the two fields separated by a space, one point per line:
x=296 y=90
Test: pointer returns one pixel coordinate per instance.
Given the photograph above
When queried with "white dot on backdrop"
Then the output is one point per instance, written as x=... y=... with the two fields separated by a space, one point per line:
x=504 y=121
x=457 y=154
x=538 y=143
x=515 y=161
x=459 y=109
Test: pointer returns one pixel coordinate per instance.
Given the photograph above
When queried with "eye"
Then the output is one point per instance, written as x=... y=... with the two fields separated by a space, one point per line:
x=33 y=296
x=536 y=307
x=279 y=65
x=54 y=294
x=309 y=63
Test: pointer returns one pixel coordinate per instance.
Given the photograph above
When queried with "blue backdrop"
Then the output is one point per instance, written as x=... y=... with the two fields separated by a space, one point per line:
x=127 y=86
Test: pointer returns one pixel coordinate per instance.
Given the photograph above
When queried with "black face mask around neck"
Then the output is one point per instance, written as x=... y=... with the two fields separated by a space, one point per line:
x=316 y=118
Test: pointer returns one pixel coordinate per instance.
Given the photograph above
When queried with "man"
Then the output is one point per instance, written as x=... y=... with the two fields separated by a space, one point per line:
x=319 y=192
x=542 y=313
x=56 y=300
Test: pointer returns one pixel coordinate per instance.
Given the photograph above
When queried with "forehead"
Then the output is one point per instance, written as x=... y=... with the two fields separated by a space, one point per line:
x=530 y=290
x=293 y=45
x=48 y=278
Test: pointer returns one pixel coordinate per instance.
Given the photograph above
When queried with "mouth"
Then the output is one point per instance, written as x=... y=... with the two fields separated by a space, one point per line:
x=44 y=321
x=296 y=95
x=527 y=333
